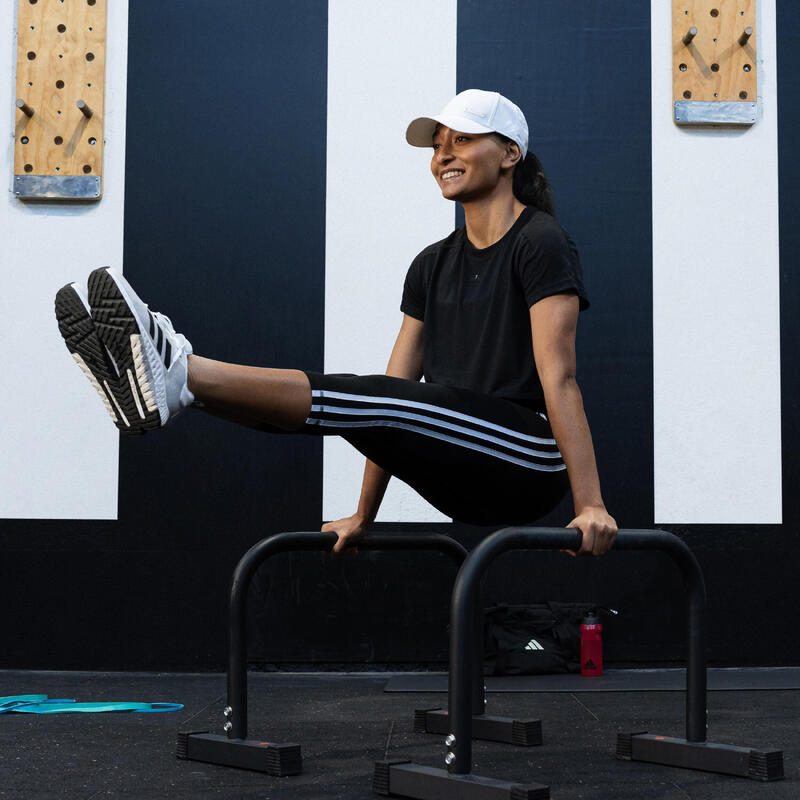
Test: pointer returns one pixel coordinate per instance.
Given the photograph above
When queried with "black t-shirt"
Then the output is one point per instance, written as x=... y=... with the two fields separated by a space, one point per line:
x=475 y=304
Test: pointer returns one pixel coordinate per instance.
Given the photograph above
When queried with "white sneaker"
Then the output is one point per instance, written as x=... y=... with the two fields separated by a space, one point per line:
x=150 y=357
x=80 y=335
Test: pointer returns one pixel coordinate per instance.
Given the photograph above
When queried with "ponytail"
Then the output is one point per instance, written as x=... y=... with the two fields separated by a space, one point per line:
x=530 y=184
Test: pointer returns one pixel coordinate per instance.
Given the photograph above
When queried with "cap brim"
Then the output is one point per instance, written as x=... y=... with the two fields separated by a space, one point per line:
x=420 y=131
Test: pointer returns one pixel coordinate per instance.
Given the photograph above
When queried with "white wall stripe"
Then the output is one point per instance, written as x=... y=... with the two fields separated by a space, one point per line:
x=387 y=63
x=716 y=338
x=60 y=451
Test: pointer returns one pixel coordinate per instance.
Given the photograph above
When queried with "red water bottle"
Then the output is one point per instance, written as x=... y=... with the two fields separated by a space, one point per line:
x=591 y=646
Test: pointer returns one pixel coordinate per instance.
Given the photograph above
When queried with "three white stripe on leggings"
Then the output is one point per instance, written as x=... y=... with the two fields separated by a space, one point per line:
x=397 y=415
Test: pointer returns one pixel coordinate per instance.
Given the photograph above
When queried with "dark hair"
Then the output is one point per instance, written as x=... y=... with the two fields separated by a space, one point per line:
x=530 y=184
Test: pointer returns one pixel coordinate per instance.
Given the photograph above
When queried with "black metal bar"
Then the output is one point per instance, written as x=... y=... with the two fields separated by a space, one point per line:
x=236 y=712
x=464 y=607
x=478 y=686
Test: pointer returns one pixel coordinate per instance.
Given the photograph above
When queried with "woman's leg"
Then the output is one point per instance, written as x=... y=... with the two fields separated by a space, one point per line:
x=477 y=458
x=252 y=396
x=145 y=372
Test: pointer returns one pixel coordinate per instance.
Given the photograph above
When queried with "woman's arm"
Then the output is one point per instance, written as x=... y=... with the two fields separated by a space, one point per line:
x=554 y=321
x=405 y=362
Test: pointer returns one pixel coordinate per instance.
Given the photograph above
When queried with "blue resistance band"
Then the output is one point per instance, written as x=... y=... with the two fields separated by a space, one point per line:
x=39 y=704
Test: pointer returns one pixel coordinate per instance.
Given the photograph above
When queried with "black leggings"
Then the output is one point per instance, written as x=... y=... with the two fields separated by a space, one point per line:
x=477 y=458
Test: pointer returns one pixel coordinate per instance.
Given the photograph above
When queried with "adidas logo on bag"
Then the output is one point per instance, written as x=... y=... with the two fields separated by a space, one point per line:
x=589 y=664
x=533 y=645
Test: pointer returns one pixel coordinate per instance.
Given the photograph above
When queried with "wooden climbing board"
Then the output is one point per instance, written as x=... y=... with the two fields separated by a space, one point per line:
x=58 y=136
x=714 y=59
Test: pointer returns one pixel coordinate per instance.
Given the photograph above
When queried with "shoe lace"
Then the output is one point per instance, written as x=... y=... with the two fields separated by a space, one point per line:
x=165 y=323
x=163 y=318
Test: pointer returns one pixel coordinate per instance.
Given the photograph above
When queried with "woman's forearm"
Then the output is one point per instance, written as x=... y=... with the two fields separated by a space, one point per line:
x=405 y=362
x=574 y=440
x=376 y=479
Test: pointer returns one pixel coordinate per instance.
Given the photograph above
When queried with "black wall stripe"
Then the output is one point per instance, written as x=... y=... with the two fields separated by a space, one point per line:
x=561 y=66
x=233 y=251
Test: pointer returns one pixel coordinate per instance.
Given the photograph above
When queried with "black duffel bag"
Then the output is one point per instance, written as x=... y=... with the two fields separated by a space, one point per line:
x=537 y=639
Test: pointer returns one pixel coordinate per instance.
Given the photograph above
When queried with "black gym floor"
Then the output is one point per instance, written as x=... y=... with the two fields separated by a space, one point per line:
x=346 y=721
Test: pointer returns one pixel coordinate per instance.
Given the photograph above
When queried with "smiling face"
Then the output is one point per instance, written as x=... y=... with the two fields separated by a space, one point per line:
x=471 y=166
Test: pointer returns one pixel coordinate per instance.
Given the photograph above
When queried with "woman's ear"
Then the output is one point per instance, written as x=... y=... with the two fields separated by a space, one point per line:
x=513 y=155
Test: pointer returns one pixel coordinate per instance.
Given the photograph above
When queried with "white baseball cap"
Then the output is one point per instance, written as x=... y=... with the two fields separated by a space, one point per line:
x=473 y=111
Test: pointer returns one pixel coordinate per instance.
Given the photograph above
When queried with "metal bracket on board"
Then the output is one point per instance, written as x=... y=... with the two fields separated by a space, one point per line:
x=698 y=111
x=714 y=62
x=42 y=187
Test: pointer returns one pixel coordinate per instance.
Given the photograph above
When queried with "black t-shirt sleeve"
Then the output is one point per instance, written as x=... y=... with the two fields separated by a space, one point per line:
x=549 y=264
x=414 y=291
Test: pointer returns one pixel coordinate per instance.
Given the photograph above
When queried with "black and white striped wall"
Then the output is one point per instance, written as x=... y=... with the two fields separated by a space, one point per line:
x=259 y=191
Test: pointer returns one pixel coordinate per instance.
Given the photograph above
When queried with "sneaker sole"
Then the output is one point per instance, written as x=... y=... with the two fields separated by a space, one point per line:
x=118 y=330
x=79 y=333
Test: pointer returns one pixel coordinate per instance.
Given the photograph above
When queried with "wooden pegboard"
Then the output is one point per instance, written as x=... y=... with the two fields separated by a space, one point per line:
x=58 y=137
x=714 y=61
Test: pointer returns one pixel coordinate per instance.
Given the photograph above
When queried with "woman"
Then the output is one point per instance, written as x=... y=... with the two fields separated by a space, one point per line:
x=490 y=315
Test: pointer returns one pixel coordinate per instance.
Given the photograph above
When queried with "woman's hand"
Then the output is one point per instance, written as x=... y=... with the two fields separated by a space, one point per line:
x=349 y=530
x=599 y=530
